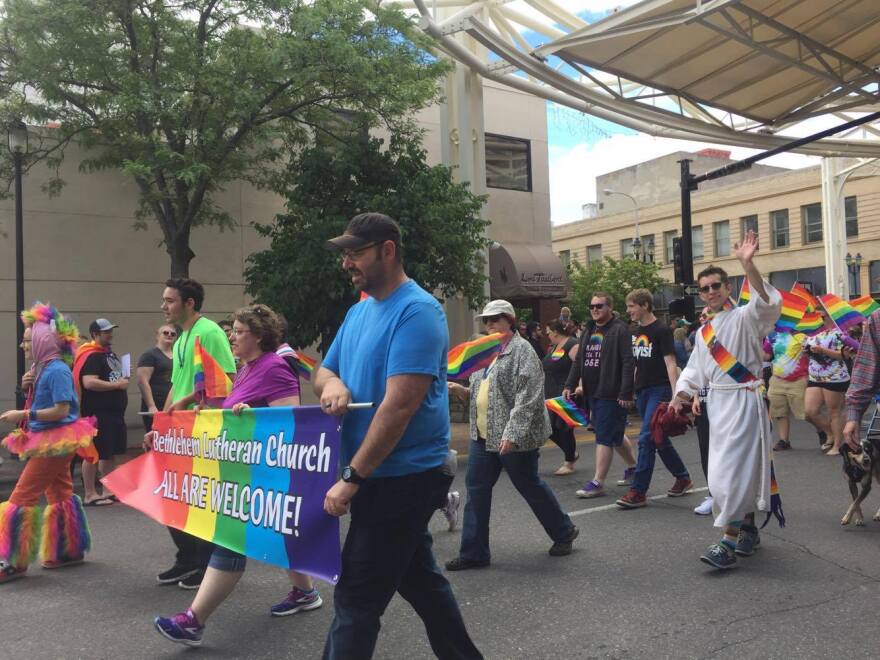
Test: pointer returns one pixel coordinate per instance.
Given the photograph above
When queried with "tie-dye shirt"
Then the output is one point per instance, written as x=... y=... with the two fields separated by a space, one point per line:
x=823 y=368
x=790 y=361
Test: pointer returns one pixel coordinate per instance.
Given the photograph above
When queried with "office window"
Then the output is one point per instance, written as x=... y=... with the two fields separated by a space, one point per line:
x=851 y=211
x=874 y=278
x=697 y=240
x=779 y=237
x=594 y=254
x=785 y=279
x=508 y=163
x=811 y=217
x=565 y=258
x=746 y=223
x=667 y=245
x=626 y=248
x=721 y=231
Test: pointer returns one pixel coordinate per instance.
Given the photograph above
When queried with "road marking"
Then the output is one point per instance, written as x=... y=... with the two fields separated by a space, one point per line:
x=606 y=507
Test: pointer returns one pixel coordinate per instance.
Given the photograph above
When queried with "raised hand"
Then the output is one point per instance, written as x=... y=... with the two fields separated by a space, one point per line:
x=746 y=250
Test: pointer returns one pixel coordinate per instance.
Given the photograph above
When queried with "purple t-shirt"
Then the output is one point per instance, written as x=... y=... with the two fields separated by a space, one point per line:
x=259 y=383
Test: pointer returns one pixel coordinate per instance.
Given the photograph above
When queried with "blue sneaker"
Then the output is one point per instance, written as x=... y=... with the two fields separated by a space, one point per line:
x=590 y=489
x=628 y=475
x=182 y=628
x=748 y=541
x=297 y=601
x=719 y=556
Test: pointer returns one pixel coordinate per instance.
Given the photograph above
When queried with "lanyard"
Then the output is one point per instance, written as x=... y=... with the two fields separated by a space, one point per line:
x=181 y=350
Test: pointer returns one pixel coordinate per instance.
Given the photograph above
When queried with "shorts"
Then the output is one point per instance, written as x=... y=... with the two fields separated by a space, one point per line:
x=831 y=387
x=226 y=560
x=112 y=438
x=787 y=397
x=609 y=420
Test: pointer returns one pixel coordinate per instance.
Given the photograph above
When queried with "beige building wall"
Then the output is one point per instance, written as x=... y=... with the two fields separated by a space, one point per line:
x=791 y=190
x=83 y=253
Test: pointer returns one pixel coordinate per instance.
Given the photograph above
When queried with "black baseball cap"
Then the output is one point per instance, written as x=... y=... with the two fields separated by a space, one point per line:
x=365 y=229
x=101 y=325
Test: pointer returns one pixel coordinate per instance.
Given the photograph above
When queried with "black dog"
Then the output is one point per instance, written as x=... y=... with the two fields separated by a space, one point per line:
x=861 y=469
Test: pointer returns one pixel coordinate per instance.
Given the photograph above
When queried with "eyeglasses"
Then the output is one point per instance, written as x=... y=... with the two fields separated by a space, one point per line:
x=597 y=306
x=356 y=254
x=714 y=287
x=169 y=333
x=493 y=318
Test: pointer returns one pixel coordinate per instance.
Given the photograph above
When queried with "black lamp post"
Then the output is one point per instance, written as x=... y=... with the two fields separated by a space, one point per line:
x=17 y=140
x=854 y=266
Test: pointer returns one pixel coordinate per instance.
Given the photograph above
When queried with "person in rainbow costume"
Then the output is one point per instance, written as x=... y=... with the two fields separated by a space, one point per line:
x=49 y=432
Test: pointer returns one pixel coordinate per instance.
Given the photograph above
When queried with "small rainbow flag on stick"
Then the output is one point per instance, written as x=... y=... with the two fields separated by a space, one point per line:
x=745 y=294
x=472 y=356
x=305 y=365
x=793 y=310
x=211 y=382
x=843 y=314
x=802 y=292
x=865 y=305
x=567 y=411
x=811 y=324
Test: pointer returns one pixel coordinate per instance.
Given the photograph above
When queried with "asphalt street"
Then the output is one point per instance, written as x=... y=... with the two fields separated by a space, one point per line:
x=633 y=588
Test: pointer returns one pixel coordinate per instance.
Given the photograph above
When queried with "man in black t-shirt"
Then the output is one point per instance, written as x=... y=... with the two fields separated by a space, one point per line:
x=104 y=396
x=655 y=375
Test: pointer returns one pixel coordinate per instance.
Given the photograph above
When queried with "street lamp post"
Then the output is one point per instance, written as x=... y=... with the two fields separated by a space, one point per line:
x=854 y=266
x=17 y=141
x=641 y=255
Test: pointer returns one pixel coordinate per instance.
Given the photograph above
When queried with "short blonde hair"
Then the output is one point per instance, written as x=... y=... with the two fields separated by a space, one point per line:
x=641 y=297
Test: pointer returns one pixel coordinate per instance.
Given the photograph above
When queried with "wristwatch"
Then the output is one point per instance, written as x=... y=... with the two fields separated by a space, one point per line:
x=350 y=476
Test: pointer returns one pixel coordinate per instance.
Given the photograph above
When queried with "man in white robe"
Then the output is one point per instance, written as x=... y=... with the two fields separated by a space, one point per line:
x=740 y=441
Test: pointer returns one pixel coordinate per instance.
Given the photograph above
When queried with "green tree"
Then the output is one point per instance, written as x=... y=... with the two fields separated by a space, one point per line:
x=442 y=232
x=615 y=277
x=190 y=95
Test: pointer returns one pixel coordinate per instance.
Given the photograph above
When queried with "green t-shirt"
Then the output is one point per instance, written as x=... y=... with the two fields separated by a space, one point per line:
x=213 y=340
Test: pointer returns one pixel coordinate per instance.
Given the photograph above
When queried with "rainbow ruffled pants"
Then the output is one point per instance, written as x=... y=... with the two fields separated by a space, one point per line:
x=59 y=529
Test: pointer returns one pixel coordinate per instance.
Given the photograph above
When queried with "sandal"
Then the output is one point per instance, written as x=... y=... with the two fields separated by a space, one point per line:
x=99 y=501
x=564 y=471
x=827 y=446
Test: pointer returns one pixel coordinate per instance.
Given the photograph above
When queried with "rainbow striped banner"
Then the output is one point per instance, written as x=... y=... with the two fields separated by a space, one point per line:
x=471 y=356
x=865 y=305
x=793 y=310
x=745 y=294
x=567 y=411
x=253 y=483
x=811 y=324
x=843 y=315
x=802 y=292
x=211 y=382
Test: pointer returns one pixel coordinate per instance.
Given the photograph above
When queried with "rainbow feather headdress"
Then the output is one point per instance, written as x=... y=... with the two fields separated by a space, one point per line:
x=64 y=327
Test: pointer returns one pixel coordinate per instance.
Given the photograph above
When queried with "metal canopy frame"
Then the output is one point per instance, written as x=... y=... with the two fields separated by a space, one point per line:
x=640 y=104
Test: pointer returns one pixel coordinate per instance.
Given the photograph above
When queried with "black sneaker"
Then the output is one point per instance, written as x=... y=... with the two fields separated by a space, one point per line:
x=562 y=548
x=175 y=574
x=193 y=581
x=461 y=564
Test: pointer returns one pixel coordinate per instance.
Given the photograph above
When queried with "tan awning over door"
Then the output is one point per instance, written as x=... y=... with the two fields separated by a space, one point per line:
x=520 y=271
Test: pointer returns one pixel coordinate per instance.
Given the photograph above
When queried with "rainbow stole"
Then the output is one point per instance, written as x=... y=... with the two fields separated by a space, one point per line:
x=745 y=294
x=567 y=411
x=726 y=362
x=775 y=500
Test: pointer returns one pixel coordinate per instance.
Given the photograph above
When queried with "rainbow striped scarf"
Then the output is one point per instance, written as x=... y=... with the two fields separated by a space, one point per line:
x=726 y=362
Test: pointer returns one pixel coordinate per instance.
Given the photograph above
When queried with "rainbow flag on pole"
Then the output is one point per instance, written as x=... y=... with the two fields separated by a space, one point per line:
x=472 y=356
x=865 y=305
x=793 y=310
x=305 y=365
x=841 y=312
x=811 y=324
x=802 y=292
x=567 y=411
x=745 y=294
x=211 y=382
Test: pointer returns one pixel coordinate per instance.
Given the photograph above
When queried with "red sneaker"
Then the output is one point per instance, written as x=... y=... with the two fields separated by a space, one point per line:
x=680 y=487
x=632 y=500
x=9 y=573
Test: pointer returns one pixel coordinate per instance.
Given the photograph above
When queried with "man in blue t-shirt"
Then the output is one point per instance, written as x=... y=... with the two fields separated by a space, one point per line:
x=391 y=350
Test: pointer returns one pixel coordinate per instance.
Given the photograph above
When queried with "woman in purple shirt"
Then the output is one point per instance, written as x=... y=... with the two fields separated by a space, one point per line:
x=263 y=380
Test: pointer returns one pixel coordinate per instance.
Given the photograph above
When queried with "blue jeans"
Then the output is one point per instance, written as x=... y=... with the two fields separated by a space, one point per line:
x=224 y=559
x=483 y=470
x=388 y=550
x=647 y=400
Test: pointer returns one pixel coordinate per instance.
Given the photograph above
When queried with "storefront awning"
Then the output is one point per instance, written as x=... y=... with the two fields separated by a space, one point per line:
x=519 y=271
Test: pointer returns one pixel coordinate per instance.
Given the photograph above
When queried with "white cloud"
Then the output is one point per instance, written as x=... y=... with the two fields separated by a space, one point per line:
x=573 y=170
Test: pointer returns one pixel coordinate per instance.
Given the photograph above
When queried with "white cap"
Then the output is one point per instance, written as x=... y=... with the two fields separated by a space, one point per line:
x=496 y=307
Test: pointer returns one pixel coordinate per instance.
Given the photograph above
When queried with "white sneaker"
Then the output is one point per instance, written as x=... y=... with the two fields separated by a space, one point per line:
x=705 y=507
x=450 y=511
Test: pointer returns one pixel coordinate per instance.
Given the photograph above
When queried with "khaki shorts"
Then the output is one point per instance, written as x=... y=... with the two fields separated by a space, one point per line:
x=787 y=396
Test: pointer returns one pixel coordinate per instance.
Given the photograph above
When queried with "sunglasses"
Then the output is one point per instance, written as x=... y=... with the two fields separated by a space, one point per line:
x=490 y=319
x=169 y=333
x=597 y=306
x=713 y=287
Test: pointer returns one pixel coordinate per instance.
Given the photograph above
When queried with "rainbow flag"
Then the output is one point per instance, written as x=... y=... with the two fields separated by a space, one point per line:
x=745 y=294
x=793 y=309
x=305 y=365
x=211 y=382
x=865 y=305
x=802 y=292
x=811 y=324
x=567 y=411
x=253 y=483
x=472 y=356
x=843 y=315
